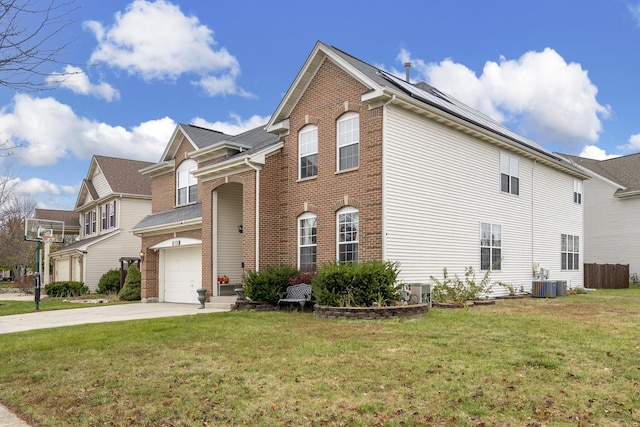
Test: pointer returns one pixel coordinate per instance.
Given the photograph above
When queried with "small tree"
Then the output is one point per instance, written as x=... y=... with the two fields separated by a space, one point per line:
x=132 y=285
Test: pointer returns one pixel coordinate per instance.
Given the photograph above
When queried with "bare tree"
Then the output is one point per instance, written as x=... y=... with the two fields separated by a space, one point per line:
x=27 y=40
x=7 y=187
x=14 y=250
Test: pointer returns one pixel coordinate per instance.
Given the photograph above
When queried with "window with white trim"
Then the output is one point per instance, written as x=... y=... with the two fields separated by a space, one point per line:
x=348 y=141
x=348 y=237
x=569 y=252
x=186 y=183
x=307 y=246
x=308 y=152
x=490 y=246
x=87 y=223
x=112 y=214
x=577 y=191
x=108 y=215
x=509 y=174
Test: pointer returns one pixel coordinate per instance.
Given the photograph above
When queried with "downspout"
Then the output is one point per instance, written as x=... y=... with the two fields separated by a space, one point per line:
x=384 y=206
x=533 y=257
x=257 y=169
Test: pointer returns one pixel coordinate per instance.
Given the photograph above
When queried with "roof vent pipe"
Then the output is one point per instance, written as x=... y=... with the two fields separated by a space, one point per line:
x=407 y=67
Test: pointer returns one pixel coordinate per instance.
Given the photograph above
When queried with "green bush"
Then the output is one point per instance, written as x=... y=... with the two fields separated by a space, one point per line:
x=109 y=282
x=132 y=285
x=359 y=285
x=265 y=285
x=66 y=288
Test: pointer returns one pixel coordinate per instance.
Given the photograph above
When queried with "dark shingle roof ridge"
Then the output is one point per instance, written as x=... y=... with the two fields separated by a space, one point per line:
x=123 y=175
x=203 y=137
x=203 y=128
x=623 y=170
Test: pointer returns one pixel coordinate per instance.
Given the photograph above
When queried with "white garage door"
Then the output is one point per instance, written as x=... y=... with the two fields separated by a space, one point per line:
x=182 y=274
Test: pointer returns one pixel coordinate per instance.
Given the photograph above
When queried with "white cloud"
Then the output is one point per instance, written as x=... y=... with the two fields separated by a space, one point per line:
x=596 y=153
x=34 y=186
x=155 y=40
x=76 y=80
x=235 y=127
x=549 y=99
x=50 y=130
x=633 y=145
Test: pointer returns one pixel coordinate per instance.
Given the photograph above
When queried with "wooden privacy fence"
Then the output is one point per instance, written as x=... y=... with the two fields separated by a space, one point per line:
x=606 y=276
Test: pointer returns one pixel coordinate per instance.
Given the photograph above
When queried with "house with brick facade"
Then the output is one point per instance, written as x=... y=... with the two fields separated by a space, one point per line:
x=611 y=199
x=113 y=197
x=357 y=164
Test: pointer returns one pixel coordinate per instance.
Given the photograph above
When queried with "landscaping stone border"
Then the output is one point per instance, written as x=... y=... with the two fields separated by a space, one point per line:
x=370 y=313
x=255 y=306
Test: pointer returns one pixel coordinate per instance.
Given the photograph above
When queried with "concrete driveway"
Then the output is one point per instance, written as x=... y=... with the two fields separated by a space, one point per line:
x=104 y=313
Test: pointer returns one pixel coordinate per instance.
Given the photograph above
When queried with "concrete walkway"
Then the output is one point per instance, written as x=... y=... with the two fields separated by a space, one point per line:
x=95 y=314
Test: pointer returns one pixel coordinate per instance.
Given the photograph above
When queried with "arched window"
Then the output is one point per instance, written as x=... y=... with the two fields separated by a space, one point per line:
x=348 y=141
x=308 y=152
x=186 y=184
x=348 y=235
x=307 y=248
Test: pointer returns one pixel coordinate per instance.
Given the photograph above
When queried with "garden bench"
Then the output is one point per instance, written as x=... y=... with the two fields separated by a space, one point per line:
x=300 y=293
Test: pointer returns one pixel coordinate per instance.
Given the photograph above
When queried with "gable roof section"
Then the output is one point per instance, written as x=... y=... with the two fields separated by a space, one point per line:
x=623 y=171
x=122 y=176
x=421 y=98
x=84 y=244
x=255 y=145
x=182 y=217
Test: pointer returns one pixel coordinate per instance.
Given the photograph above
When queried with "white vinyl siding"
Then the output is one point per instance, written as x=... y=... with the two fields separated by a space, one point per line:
x=435 y=197
x=100 y=183
x=611 y=223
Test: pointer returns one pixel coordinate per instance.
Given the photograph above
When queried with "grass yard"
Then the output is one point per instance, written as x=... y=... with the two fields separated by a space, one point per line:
x=8 y=307
x=570 y=361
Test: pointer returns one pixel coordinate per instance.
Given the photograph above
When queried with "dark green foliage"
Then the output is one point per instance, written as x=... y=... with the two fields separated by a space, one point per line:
x=456 y=290
x=132 y=285
x=359 y=285
x=66 y=289
x=265 y=285
x=109 y=282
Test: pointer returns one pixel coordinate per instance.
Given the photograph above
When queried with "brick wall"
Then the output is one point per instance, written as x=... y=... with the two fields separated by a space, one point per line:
x=331 y=93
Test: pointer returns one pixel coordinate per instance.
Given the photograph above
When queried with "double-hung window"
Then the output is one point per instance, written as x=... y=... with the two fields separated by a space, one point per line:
x=103 y=216
x=490 y=246
x=93 y=216
x=348 y=219
x=509 y=174
x=307 y=246
x=570 y=252
x=308 y=152
x=348 y=141
x=108 y=215
x=87 y=223
x=577 y=191
x=112 y=214
x=186 y=183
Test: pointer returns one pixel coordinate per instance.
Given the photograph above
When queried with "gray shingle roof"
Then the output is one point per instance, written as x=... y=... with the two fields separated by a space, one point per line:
x=203 y=137
x=123 y=176
x=172 y=216
x=624 y=170
x=70 y=218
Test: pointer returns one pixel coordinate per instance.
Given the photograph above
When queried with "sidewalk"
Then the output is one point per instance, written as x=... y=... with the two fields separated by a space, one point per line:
x=95 y=314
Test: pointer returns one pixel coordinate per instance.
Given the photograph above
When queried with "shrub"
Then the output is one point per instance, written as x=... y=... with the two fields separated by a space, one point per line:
x=360 y=285
x=66 y=288
x=265 y=285
x=456 y=290
x=132 y=285
x=109 y=282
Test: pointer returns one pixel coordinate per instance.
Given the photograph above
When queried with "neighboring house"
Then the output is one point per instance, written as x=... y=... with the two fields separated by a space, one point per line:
x=69 y=218
x=611 y=200
x=112 y=199
x=361 y=165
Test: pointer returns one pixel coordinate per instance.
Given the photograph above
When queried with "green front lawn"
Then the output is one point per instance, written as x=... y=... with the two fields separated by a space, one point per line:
x=8 y=307
x=558 y=362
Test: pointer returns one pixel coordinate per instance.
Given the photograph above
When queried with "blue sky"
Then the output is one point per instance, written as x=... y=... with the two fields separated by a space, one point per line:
x=561 y=72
